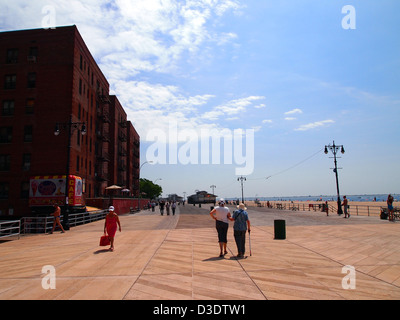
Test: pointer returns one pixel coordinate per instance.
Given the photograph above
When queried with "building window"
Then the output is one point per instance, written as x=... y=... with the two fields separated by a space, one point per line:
x=30 y=106
x=80 y=86
x=4 y=190
x=32 y=80
x=12 y=56
x=26 y=161
x=10 y=81
x=5 y=162
x=33 y=52
x=7 y=108
x=5 y=134
x=77 y=163
x=28 y=134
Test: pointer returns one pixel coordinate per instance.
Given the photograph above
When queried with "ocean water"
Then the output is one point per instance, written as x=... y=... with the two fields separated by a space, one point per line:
x=362 y=198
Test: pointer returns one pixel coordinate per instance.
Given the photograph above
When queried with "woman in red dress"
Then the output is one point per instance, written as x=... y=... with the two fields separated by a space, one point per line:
x=110 y=226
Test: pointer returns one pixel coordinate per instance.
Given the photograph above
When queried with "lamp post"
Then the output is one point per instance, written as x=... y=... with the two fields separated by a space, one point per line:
x=70 y=126
x=241 y=179
x=213 y=187
x=335 y=148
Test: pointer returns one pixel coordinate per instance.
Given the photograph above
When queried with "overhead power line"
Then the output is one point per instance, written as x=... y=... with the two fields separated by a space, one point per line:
x=290 y=168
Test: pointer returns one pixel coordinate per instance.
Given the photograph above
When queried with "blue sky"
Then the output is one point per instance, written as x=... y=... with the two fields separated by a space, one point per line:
x=286 y=69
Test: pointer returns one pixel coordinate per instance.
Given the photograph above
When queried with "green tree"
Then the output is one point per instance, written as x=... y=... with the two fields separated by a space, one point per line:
x=149 y=190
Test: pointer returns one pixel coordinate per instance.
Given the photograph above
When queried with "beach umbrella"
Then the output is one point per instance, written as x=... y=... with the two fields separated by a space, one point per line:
x=113 y=187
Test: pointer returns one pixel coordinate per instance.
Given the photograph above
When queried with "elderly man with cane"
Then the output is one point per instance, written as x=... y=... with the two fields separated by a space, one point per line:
x=242 y=223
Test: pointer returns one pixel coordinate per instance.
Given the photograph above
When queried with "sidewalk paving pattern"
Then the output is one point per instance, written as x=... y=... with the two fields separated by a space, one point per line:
x=176 y=258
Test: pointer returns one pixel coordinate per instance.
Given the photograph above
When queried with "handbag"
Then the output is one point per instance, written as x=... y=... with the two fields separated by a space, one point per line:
x=104 y=241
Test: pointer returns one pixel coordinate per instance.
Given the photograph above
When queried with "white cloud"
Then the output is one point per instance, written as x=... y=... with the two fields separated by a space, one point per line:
x=290 y=118
x=294 y=111
x=314 y=125
x=130 y=35
x=260 y=106
x=231 y=107
x=267 y=121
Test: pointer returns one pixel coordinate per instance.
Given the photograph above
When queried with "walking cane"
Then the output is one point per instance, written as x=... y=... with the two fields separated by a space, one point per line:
x=249 y=243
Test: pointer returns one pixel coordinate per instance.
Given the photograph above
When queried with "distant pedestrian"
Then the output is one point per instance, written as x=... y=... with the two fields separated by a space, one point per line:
x=162 y=205
x=241 y=225
x=173 y=207
x=167 y=206
x=222 y=216
x=110 y=226
x=57 y=216
x=389 y=202
x=345 y=205
x=326 y=208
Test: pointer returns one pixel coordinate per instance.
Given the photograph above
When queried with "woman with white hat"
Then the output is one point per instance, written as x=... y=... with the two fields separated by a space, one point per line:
x=242 y=223
x=110 y=225
x=222 y=216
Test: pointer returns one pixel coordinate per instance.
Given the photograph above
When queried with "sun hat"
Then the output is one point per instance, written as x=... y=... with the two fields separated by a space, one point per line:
x=241 y=206
x=221 y=201
x=111 y=208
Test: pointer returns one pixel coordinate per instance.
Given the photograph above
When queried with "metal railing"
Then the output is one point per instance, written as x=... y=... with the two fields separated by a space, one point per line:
x=10 y=228
x=45 y=224
x=354 y=209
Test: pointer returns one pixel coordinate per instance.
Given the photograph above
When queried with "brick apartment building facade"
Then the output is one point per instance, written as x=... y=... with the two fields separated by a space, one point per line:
x=49 y=77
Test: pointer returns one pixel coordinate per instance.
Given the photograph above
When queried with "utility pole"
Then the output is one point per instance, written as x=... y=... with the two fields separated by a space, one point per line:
x=213 y=187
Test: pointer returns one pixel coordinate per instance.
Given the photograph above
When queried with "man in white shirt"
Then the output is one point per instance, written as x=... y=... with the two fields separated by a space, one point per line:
x=222 y=216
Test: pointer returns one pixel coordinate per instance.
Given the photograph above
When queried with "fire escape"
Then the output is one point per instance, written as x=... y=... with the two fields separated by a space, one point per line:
x=122 y=154
x=102 y=140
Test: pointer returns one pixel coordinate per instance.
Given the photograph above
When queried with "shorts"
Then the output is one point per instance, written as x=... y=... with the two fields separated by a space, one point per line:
x=390 y=207
x=222 y=229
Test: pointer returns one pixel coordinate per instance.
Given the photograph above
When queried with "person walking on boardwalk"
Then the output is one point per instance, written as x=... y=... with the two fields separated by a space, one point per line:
x=241 y=225
x=222 y=216
x=110 y=226
x=162 y=205
x=389 y=202
x=57 y=215
x=173 y=207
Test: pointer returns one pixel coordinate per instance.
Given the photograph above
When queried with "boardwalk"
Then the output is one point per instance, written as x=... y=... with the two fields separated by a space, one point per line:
x=176 y=258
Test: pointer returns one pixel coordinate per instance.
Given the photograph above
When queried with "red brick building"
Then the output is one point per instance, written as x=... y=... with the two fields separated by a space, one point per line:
x=49 y=77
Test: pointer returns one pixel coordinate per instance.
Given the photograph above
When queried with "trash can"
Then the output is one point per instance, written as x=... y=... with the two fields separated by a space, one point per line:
x=280 y=229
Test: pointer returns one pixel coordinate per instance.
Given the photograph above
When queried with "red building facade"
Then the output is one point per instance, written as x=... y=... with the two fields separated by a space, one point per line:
x=49 y=78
